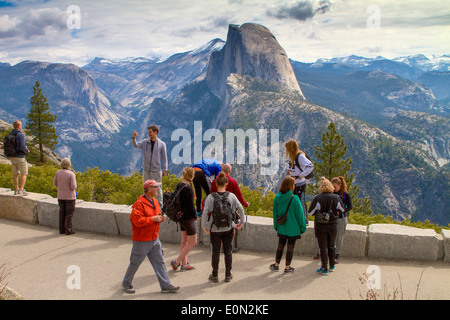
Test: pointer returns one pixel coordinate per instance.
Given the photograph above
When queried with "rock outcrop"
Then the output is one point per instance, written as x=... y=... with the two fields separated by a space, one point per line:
x=251 y=50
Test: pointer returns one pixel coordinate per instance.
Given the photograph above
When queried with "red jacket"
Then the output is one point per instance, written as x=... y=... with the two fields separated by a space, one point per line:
x=232 y=187
x=144 y=229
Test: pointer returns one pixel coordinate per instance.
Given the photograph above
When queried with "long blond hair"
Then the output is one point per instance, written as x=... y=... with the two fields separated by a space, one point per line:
x=292 y=150
x=188 y=175
x=325 y=185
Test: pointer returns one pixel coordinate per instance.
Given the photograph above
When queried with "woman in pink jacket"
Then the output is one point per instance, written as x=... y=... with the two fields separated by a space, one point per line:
x=66 y=183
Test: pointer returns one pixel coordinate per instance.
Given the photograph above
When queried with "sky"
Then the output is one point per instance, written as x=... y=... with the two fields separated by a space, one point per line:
x=77 y=31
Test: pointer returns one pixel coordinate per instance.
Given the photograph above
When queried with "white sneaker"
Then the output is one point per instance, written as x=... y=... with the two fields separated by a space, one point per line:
x=23 y=193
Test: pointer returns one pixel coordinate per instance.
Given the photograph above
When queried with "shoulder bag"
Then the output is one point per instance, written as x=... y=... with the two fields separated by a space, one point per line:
x=282 y=219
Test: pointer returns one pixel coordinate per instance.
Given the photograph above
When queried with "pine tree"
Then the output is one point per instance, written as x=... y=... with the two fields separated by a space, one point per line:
x=331 y=153
x=333 y=164
x=40 y=122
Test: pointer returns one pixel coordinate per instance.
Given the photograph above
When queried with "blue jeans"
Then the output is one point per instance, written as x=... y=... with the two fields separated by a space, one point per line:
x=153 y=251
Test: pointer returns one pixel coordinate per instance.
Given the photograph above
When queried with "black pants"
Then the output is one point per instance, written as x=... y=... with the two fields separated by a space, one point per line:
x=218 y=238
x=300 y=191
x=290 y=249
x=66 y=209
x=326 y=236
x=200 y=182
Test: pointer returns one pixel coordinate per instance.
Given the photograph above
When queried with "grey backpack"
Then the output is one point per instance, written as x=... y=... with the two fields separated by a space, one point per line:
x=222 y=213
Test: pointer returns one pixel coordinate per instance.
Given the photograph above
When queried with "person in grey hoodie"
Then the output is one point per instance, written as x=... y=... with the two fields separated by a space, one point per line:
x=222 y=234
x=154 y=156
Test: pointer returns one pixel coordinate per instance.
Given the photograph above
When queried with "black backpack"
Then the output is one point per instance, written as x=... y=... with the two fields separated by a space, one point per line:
x=222 y=213
x=172 y=204
x=9 y=146
x=309 y=176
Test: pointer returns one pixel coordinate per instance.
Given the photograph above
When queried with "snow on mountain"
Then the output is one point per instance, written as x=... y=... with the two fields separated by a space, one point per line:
x=136 y=83
x=352 y=60
x=212 y=46
x=420 y=61
x=435 y=63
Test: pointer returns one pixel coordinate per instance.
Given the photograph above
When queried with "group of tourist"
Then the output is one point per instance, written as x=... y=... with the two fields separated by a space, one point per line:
x=220 y=213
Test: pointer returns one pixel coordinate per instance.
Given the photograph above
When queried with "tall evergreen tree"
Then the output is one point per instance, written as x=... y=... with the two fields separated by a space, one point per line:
x=331 y=153
x=334 y=164
x=40 y=122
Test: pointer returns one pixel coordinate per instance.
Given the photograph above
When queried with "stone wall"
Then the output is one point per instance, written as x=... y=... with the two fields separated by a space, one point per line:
x=375 y=241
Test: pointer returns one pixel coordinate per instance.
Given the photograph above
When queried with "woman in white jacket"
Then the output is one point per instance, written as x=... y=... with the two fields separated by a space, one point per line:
x=299 y=168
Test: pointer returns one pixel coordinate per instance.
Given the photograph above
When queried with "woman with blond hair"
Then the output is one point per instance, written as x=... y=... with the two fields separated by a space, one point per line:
x=66 y=183
x=300 y=167
x=340 y=188
x=187 y=222
x=325 y=207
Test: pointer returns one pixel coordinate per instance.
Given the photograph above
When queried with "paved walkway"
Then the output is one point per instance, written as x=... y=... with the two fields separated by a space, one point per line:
x=39 y=261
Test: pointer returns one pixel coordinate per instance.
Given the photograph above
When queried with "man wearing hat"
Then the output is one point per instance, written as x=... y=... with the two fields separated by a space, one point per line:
x=146 y=219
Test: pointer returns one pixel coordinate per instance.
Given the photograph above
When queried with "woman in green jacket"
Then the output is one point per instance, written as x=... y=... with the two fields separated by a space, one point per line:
x=294 y=226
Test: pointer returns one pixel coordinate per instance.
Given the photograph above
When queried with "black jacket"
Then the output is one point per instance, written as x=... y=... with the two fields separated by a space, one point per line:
x=187 y=201
x=347 y=202
x=322 y=203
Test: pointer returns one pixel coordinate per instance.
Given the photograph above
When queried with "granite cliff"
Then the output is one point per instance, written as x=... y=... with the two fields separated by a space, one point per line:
x=250 y=50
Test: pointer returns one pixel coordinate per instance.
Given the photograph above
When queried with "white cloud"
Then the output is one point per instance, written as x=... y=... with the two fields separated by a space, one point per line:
x=115 y=29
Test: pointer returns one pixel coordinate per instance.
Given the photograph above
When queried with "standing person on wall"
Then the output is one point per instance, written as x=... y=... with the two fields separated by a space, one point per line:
x=66 y=182
x=301 y=168
x=15 y=149
x=154 y=156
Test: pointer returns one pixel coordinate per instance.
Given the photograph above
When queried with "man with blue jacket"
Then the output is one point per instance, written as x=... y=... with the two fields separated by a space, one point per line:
x=154 y=156
x=19 y=163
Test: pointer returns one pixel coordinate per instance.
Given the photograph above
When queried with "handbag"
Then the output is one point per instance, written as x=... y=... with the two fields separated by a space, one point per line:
x=282 y=219
x=324 y=217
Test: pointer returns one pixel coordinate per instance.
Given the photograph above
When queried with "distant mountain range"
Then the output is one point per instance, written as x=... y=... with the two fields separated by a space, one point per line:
x=393 y=114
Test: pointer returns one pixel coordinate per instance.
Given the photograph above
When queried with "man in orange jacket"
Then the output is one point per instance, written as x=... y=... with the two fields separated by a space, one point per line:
x=146 y=219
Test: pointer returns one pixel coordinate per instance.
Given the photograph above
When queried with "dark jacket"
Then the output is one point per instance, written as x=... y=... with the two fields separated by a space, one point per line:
x=347 y=201
x=186 y=201
x=21 y=145
x=322 y=203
